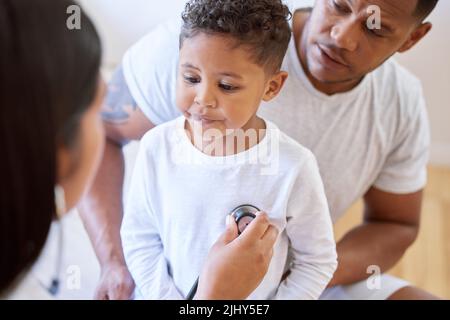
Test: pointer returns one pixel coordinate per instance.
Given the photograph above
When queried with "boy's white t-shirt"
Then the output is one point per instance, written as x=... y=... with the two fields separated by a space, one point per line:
x=179 y=198
x=374 y=135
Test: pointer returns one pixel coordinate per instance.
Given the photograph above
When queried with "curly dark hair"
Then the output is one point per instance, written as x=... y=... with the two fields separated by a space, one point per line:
x=260 y=25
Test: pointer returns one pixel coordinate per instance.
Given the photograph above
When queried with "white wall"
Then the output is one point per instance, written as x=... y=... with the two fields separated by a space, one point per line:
x=430 y=61
x=122 y=22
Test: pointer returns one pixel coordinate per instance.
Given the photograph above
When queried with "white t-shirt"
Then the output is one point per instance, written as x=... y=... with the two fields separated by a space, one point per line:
x=179 y=198
x=374 y=135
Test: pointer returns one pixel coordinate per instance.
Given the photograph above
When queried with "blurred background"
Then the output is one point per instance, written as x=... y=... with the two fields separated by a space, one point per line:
x=426 y=264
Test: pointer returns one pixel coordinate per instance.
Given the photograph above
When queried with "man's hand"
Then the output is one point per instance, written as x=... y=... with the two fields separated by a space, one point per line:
x=236 y=265
x=115 y=283
x=391 y=224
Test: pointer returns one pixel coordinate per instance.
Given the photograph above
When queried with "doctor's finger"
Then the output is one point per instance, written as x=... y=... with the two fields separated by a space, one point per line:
x=256 y=229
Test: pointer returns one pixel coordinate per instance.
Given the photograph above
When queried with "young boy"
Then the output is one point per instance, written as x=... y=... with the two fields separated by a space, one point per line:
x=192 y=172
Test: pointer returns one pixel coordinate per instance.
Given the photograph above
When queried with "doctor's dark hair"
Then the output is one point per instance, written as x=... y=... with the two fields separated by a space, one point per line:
x=48 y=79
x=260 y=25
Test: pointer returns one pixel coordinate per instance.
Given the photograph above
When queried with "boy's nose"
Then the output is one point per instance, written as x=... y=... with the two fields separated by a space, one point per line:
x=204 y=105
x=205 y=98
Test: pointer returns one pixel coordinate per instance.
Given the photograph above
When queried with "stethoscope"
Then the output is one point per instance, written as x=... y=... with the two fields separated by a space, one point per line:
x=54 y=286
x=243 y=216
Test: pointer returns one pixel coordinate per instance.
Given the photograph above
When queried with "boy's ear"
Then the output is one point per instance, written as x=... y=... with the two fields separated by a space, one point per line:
x=420 y=32
x=275 y=85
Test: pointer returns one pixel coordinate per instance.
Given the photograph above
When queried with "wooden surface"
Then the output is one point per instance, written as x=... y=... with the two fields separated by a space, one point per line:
x=427 y=263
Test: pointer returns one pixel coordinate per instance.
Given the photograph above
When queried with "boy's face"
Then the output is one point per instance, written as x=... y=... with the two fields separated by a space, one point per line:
x=220 y=87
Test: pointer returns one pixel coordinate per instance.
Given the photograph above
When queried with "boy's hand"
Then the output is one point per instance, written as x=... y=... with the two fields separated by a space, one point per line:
x=236 y=265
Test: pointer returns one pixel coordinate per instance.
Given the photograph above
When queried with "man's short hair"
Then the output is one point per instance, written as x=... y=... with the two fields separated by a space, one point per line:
x=424 y=8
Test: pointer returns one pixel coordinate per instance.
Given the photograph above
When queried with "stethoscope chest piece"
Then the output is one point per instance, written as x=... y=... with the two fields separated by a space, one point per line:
x=243 y=215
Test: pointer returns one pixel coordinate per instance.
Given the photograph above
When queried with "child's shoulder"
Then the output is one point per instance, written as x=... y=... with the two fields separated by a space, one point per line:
x=163 y=133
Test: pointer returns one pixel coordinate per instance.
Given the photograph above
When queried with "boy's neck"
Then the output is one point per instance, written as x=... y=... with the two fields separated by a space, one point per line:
x=240 y=140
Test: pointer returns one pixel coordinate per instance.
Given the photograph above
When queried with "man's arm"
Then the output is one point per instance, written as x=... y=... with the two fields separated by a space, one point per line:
x=101 y=210
x=311 y=241
x=391 y=224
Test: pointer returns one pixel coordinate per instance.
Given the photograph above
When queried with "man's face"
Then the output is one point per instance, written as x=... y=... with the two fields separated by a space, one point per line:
x=339 y=45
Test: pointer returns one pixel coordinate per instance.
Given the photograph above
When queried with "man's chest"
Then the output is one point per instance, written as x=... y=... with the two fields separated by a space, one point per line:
x=350 y=141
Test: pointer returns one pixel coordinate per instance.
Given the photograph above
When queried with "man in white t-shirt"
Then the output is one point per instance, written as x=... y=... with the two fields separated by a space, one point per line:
x=360 y=113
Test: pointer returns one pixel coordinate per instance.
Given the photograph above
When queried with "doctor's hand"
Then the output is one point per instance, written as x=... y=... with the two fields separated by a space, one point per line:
x=235 y=266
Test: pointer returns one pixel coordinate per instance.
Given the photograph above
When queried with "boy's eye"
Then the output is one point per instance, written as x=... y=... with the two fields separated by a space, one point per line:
x=192 y=80
x=227 y=87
